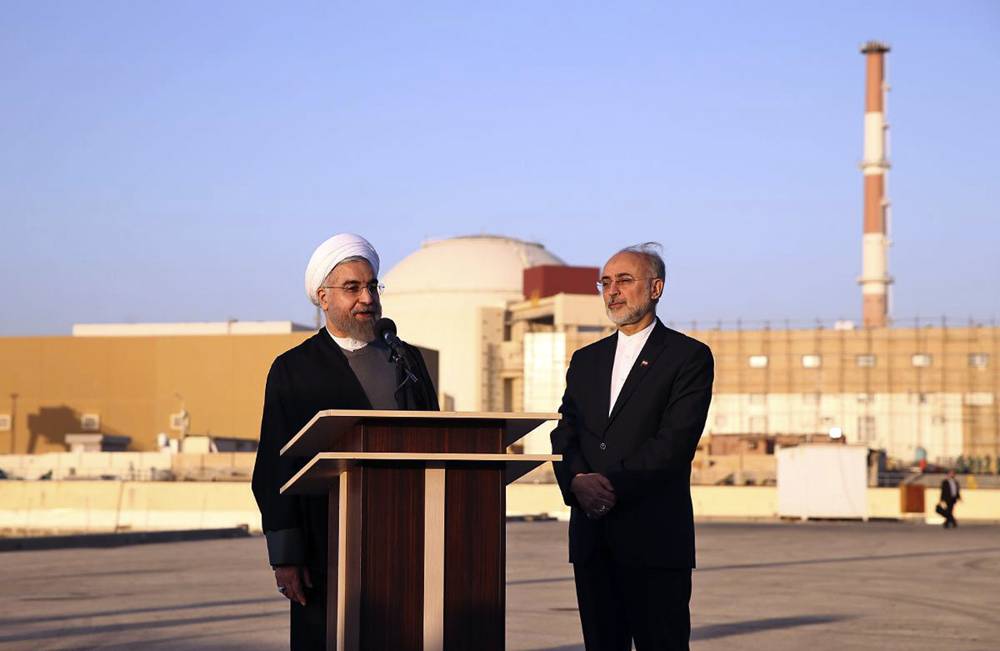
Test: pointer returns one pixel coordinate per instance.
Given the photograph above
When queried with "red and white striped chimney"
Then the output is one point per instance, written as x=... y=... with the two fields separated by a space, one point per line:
x=875 y=279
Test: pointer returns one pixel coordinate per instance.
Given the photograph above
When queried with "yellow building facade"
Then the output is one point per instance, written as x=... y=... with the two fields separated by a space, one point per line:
x=134 y=382
x=132 y=386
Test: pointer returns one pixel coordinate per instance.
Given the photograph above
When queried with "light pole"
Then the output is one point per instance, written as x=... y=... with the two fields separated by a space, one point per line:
x=13 y=422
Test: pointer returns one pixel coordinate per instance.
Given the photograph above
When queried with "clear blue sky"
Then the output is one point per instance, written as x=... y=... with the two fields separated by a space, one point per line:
x=178 y=161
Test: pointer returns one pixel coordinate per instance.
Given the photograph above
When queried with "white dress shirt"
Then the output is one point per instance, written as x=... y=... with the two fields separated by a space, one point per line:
x=626 y=352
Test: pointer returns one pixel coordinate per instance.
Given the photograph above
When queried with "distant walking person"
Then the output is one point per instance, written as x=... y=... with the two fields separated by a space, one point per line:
x=950 y=494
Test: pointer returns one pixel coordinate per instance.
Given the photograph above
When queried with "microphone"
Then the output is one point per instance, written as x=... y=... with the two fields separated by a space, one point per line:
x=385 y=329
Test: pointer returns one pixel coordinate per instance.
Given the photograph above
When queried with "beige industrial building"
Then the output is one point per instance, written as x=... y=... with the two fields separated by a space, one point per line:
x=914 y=392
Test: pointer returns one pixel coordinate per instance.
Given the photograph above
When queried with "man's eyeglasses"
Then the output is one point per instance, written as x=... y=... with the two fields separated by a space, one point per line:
x=353 y=289
x=623 y=282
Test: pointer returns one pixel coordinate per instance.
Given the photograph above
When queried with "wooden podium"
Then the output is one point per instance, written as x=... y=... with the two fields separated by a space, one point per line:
x=416 y=523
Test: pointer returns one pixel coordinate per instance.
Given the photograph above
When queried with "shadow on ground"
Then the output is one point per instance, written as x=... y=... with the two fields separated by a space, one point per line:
x=804 y=561
x=714 y=631
x=12 y=621
x=106 y=629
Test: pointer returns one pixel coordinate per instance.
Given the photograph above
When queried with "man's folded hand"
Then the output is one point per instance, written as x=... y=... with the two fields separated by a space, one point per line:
x=595 y=494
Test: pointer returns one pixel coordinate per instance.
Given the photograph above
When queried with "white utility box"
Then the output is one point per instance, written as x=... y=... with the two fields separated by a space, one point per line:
x=823 y=481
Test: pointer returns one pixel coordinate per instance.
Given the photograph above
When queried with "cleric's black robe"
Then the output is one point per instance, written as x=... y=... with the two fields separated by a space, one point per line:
x=311 y=377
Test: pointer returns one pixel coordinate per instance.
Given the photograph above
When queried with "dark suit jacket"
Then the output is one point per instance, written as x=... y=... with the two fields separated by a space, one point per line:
x=946 y=495
x=644 y=447
x=312 y=377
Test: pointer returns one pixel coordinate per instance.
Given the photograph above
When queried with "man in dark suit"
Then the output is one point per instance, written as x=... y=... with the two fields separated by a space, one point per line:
x=342 y=366
x=950 y=493
x=634 y=408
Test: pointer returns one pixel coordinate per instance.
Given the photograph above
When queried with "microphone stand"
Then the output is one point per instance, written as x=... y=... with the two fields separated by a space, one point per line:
x=400 y=361
x=385 y=330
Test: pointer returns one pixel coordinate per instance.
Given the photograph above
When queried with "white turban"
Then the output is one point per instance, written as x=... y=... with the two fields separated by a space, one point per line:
x=331 y=253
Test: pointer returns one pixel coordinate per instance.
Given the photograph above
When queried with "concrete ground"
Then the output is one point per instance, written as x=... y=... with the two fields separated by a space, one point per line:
x=777 y=586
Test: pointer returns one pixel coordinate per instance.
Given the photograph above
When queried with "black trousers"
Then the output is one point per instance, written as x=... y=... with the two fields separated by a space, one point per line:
x=949 y=515
x=308 y=623
x=622 y=604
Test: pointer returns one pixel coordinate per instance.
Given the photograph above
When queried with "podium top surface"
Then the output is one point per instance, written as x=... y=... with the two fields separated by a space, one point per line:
x=327 y=425
x=316 y=477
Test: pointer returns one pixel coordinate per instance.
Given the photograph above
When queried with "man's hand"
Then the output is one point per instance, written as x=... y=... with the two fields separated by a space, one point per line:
x=595 y=494
x=294 y=580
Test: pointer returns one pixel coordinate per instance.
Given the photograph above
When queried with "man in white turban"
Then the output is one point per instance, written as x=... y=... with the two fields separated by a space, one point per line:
x=342 y=366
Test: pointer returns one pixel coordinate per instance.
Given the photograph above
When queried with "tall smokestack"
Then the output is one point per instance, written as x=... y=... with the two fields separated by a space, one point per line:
x=875 y=279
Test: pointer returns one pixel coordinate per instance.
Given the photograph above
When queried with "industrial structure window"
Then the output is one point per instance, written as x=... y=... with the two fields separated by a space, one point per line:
x=866 y=428
x=865 y=361
x=758 y=398
x=810 y=398
x=811 y=361
x=758 y=361
x=922 y=360
x=866 y=398
x=758 y=424
x=979 y=360
x=979 y=399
